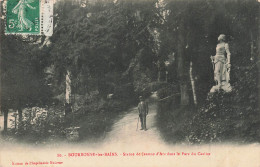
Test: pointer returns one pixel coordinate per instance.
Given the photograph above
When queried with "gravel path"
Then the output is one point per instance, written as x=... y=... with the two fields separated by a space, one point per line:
x=125 y=134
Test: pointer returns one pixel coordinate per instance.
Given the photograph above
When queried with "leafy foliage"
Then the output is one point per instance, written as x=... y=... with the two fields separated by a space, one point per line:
x=23 y=78
x=119 y=48
x=40 y=125
x=222 y=117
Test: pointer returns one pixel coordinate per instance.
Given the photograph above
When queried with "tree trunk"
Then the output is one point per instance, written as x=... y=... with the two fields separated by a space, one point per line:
x=251 y=46
x=5 y=119
x=68 y=94
x=182 y=69
x=193 y=85
x=258 y=59
x=166 y=76
x=1 y=108
x=20 y=118
x=184 y=94
x=159 y=71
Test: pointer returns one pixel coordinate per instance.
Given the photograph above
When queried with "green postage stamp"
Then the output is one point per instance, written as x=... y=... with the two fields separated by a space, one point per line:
x=34 y=17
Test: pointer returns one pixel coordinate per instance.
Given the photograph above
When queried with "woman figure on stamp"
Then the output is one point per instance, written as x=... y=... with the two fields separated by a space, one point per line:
x=222 y=65
x=20 y=9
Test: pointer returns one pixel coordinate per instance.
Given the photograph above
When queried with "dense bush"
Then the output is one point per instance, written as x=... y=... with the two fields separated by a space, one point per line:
x=222 y=117
x=39 y=125
x=154 y=86
x=229 y=116
x=167 y=90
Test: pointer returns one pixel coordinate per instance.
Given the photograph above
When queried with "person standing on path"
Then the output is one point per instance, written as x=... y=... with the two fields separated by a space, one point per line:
x=143 y=112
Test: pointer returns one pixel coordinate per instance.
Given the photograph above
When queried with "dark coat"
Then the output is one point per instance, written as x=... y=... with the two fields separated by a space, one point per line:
x=143 y=108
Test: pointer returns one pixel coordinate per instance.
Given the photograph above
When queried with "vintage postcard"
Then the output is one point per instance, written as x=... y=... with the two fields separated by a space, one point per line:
x=129 y=83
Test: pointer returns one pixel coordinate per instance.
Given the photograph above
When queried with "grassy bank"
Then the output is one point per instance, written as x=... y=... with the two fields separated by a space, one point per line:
x=218 y=120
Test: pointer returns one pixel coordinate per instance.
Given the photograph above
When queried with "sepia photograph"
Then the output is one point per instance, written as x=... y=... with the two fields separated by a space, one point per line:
x=129 y=83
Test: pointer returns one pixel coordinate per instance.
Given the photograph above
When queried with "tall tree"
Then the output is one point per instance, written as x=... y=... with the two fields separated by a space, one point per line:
x=22 y=75
x=258 y=57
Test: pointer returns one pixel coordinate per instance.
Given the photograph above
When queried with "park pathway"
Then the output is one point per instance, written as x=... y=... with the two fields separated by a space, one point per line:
x=128 y=147
x=126 y=134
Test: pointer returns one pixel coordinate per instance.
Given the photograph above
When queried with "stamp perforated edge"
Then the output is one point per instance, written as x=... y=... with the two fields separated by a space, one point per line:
x=42 y=16
x=47 y=17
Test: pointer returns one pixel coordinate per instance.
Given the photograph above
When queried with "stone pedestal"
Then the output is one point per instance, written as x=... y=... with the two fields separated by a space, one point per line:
x=225 y=86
